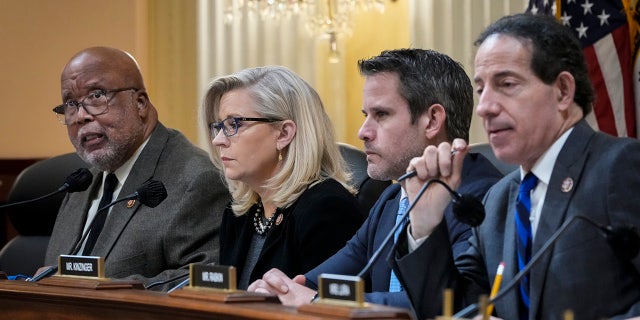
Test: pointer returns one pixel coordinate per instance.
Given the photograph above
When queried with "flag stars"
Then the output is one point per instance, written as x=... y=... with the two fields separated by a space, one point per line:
x=565 y=19
x=534 y=9
x=582 y=31
x=604 y=18
x=587 y=7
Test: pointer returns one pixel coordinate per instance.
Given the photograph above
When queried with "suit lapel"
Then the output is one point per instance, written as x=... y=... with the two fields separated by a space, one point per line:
x=510 y=301
x=381 y=271
x=80 y=203
x=142 y=171
x=568 y=167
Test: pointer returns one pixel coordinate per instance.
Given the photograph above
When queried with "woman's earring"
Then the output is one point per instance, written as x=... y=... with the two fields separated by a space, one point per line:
x=279 y=155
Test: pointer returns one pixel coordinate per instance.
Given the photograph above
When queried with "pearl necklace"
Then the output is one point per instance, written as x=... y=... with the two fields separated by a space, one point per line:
x=260 y=226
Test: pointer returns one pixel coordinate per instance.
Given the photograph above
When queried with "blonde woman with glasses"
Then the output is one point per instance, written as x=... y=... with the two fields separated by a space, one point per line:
x=292 y=203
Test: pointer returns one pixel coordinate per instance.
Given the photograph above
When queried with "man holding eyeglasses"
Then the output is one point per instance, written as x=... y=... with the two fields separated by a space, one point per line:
x=114 y=127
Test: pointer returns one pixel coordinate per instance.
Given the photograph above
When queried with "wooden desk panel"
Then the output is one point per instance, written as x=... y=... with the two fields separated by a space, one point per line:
x=24 y=300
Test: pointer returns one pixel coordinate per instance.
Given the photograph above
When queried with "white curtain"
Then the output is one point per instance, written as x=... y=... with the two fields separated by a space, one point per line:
x=451 y=26
x=448 y=26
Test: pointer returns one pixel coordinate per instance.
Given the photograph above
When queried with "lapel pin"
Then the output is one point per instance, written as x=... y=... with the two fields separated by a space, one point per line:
x=131 y=203
x=567 y=185
x=279 y=219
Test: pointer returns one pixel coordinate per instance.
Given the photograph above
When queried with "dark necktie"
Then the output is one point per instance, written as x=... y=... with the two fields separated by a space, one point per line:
x=524 y=239
x=110 y=184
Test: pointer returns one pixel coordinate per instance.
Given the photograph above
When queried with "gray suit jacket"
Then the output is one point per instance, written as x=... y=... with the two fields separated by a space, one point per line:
x=152 y=244
x=581 y=272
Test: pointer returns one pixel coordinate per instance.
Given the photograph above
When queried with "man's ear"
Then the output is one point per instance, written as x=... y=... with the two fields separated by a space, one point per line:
x=287 y=132
x=565 y=90
x=433 y=121
x=142 y=103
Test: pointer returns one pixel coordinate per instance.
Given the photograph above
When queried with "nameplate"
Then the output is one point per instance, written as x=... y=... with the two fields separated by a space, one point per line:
x=340 y=289
x=212 y=276
x=81 y=266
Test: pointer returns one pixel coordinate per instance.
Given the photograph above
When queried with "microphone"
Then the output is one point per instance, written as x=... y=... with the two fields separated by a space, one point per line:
x=466 y=208
x=151 y=194
x=624 y=241
x=79 y=180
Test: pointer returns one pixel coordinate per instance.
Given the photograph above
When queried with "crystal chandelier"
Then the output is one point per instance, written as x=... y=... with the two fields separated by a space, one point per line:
x=321 y=17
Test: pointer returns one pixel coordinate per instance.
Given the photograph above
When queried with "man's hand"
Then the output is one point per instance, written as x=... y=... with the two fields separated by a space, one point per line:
x=443 y=162
x=291 y=292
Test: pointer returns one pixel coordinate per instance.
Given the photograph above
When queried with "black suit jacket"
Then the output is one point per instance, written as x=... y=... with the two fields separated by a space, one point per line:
x=477 y=177
x=581 y=272
x=313 y=228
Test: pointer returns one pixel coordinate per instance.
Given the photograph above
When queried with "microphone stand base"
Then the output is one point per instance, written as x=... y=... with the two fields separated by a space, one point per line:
x=91 y=283
x=366 y=311
x=224 y=296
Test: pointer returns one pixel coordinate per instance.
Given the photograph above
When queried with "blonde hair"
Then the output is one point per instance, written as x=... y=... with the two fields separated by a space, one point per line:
x=313 y=154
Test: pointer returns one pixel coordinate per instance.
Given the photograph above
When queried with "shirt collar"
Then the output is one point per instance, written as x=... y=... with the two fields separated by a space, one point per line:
x=544 y=166
x=123 y=172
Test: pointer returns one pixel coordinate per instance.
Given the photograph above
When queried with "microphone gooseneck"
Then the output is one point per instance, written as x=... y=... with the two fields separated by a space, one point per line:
x=624 y=241
x=151 y=194
x=180 y=285
x=79 y=180
x=476 y=215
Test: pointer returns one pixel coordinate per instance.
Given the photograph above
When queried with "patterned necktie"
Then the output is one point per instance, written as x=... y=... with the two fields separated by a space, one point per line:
x=394 y=283
x=524 y=238
x=110 y=184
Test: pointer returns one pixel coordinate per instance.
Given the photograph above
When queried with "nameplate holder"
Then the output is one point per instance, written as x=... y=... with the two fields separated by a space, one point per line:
x=81 y=266
x=218 y=284
x=212 y=277
x=86 y=272
x=341 y=289
x=343 y=296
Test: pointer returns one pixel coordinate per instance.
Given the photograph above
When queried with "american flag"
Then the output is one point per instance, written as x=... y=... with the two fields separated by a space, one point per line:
x=608 y=31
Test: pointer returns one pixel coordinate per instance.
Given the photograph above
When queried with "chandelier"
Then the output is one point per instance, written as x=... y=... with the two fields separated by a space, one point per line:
x=330 y=18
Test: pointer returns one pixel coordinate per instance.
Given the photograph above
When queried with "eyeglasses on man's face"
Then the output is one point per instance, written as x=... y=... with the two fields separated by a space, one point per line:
x=229 y=126
x=95 y=104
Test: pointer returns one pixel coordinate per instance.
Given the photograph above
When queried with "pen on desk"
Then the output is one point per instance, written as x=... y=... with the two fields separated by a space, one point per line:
x=413 y=172
x=496 y=287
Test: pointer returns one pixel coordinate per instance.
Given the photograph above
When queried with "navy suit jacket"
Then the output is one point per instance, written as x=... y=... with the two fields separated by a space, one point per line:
x=581 y=272
x=477 y=177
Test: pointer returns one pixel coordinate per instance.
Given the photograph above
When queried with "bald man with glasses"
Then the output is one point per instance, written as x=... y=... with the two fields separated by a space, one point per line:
x=114 y=127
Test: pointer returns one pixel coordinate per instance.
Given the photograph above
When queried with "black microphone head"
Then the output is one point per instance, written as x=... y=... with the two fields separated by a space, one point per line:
x=152 y=193
x=468 y=209
x=79 y=180
x=624 y=240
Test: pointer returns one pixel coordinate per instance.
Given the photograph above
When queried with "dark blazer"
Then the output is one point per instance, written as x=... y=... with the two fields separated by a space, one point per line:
x=580 y=272
x=151 y=244
x=477 y=177
x=313 y=228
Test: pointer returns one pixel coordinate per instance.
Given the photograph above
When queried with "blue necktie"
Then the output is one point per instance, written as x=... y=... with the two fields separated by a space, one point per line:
x=524 y=238
x=394 y=283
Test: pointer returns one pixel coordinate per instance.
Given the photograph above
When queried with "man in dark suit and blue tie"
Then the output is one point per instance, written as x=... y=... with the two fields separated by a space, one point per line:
x=413 y=98
x=534 y=93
